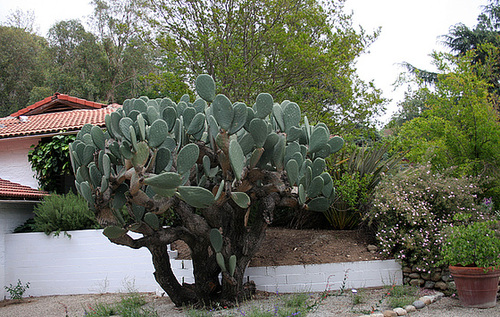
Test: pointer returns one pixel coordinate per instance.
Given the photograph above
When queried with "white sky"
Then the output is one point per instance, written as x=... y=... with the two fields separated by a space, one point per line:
x=410 y=30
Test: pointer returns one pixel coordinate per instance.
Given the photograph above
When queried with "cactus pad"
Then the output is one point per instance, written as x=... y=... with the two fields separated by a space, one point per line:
x=187 y=157
x=205 y=87
x=216 y=239
x=195 y=196
x=241 y=199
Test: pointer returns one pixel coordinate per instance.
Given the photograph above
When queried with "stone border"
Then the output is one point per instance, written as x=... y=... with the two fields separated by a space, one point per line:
x=422 y=302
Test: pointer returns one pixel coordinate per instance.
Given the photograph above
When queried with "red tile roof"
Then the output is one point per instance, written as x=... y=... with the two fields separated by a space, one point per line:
x=54 y=114
x=12 y=190
x=57 y=102
x=52 y=122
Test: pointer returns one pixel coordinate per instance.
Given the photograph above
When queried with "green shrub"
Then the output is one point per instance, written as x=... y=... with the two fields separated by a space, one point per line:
x=63 y=213
x=413 y=208
x=355 y=180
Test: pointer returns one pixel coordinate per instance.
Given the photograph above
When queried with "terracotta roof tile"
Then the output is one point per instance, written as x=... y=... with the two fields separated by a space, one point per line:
x=53 y=103
x=53 y=122
x=11 y=190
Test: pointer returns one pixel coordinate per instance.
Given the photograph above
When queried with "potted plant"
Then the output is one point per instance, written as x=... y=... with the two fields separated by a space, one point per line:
x=473 y=254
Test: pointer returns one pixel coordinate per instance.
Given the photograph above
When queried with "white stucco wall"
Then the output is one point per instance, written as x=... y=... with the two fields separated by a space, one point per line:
x=12 y=214
x=14 y=165
x=89 y=263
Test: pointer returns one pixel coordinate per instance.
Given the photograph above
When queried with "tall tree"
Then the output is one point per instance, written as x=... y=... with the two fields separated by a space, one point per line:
x=128 y=57
x=299 y=49
x=78 y=61
x=24 y=20
x=462 y=39
x=22 y=66
x=460 y=128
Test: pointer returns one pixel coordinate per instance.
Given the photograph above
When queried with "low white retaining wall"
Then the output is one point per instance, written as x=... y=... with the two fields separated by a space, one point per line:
x=89 y=263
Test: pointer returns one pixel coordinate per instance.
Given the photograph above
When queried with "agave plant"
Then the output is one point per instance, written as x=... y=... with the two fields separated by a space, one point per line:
x=357 y=177
x=208 y=161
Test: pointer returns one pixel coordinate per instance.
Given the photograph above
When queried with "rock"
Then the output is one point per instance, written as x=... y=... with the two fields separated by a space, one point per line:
x=400 y=311
x=436 y=277
x=377 y=315
x=372 y=248
x=417 y=282
x=429 y=284
x=406 y=269
x=435 y=297
x=410 y=308
x=390 y=313
x=445 y=277
x=406 y=280
x=414 y=275
x=441 y=285
x=451 y=285
x=425 y=276
x=426 y=299
x=418 y=304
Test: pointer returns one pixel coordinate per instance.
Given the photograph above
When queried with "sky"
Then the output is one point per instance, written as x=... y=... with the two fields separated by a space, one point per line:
x=410 y=31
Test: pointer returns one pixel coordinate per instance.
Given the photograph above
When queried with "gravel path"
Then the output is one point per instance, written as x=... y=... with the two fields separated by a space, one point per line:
x=76 y=305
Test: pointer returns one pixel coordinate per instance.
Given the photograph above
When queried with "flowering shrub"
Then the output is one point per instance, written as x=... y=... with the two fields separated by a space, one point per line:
x=412 y=209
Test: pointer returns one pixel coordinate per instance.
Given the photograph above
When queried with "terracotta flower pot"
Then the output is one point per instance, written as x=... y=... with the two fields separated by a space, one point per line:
x=475 y=287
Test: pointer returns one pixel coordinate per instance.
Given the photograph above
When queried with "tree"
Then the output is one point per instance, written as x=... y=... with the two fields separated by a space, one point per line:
x=24 y=20
x=22 y=65
x=79 y=63
x=206 y=169
x=462 y=39
x=128 y=57
x=302 y=50
x=460 y=127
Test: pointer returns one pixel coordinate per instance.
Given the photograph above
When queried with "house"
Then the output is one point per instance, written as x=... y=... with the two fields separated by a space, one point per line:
x=19 y=188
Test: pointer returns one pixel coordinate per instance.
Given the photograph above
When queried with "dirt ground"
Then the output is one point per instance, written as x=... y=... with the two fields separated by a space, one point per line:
x=291 y=247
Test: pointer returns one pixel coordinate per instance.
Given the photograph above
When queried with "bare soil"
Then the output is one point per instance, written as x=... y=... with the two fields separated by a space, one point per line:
x=283 y=246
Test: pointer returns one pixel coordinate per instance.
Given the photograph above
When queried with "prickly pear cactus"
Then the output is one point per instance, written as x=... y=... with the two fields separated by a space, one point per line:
x=200 y=158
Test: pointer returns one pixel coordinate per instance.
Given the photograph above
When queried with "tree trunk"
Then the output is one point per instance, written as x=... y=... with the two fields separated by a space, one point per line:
x=180 y=295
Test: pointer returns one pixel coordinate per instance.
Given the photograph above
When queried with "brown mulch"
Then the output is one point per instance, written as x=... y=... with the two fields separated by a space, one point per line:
x=283 y=246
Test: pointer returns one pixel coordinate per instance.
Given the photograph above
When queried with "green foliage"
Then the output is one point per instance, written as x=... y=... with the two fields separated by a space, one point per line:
x=130 y=305
x=50 y=159
x=22 y=63
x=300 y=50
x=164 y=84
x=473 y=244
x=402 y=295
x=187 y=157
x=58 y=213
x=355 y=181
x=17 y=291
x=460 y=127
x=413 y=208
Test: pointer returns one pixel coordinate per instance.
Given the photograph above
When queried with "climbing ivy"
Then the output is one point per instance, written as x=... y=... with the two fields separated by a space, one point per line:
x=50 y=160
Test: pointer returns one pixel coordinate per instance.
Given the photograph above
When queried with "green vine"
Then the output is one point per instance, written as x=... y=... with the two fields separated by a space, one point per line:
x=50 y=160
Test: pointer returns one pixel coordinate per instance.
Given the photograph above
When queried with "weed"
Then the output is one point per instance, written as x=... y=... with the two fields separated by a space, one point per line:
x=129 y=306
x=402 y=295
x=17 y=292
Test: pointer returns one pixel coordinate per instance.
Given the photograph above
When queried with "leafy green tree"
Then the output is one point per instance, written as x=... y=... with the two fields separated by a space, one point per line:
x=460 y=127
x=412 y=106
x=462 y=39
x=21 y=19
x=22 y=64
x=164 y=84
x=78 y=61
x=303 y=50
x=129 y=58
